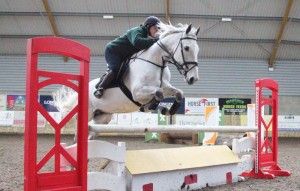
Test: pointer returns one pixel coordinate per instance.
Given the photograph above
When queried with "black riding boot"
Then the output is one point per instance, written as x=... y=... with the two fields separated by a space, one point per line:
x=108 y=78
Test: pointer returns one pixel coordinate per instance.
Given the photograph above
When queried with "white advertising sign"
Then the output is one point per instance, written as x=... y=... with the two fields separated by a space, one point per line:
x=6 y=118
x=189 y=120
x=124 y=118
x=289 y=122
x=197 y=105
x=19 y=119
x=114 y=119
x=139 y=118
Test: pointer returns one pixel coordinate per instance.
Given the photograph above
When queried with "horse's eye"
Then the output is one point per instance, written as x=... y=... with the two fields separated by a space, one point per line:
x=186 y=48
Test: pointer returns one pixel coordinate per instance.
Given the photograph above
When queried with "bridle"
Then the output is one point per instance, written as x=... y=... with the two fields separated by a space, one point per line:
x=182 y=68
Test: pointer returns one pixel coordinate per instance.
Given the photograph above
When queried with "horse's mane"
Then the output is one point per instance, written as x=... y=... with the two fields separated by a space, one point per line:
x=165 y=30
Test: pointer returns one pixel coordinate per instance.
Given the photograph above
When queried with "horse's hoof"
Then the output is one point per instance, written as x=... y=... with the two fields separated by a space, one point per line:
x=153 y=105
x=159 y=95
x=179 y=96
x=171 y=112
x=98 y=93
x=165 y=111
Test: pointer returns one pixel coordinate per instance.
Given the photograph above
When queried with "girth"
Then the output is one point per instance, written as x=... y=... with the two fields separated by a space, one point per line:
x=119 y=82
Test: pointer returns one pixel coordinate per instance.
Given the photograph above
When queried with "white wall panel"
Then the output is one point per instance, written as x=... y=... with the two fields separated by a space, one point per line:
x=217 y=77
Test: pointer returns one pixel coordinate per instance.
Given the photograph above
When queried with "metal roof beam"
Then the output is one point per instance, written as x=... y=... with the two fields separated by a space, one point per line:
x=51 y=20
x=279 y=37
x=168 y=12
x=213 y=17
x=216 y=40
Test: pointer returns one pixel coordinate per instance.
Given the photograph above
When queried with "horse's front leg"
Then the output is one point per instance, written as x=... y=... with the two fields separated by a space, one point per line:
x=170 y=91
x=146 y=93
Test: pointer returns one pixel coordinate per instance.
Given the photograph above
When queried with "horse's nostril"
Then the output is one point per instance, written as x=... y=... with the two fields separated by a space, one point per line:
x=191 y=81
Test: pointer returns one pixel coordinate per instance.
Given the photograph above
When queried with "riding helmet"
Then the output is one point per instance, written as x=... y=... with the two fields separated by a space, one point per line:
x=151 y=21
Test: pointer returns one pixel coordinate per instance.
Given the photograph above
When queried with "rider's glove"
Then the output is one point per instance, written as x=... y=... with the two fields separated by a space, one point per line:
x=155 y=39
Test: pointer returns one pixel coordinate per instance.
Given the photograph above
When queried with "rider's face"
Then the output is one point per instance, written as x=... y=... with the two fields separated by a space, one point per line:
x=153 y=30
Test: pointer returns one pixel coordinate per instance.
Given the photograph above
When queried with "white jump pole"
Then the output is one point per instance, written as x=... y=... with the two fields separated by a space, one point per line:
x=169 y=128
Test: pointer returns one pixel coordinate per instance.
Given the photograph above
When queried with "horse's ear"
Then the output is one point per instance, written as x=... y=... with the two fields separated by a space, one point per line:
x=188 y=29
x=198 y=29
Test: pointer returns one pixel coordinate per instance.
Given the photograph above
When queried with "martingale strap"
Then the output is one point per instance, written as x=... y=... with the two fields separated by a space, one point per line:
x=124 y=88
x=127 y=92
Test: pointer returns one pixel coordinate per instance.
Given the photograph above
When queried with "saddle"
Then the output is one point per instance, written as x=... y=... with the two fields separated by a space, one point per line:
x=119 y=82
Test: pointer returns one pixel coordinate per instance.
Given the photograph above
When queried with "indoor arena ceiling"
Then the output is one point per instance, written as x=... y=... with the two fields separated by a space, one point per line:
x=244 y=29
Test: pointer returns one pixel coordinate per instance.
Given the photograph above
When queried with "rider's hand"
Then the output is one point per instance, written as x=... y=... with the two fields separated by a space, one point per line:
x=155 y=39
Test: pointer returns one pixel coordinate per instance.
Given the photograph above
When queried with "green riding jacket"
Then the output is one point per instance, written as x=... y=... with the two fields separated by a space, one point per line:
x=131 y=42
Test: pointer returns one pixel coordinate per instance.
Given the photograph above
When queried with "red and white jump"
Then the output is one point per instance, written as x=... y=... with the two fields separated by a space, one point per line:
x=266 y=150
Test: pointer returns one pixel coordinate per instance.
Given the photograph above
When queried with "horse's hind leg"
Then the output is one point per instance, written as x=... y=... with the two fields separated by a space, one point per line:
x=99 y=118
x=90 y=117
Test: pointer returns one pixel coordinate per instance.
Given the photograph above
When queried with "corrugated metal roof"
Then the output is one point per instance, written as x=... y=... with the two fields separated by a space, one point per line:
x=30 y=25
x=251 y=34
x=21 y=6
x=267 y=8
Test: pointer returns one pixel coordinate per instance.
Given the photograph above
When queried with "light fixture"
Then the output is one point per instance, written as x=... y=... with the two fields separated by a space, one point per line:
x=108 y=16
x=226 y=19
x=271 y=69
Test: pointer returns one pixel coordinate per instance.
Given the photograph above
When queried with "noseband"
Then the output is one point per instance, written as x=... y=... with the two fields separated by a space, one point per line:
x=180 y=67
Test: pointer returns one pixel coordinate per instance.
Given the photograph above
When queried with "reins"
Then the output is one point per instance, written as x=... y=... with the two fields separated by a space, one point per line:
x=166 y=59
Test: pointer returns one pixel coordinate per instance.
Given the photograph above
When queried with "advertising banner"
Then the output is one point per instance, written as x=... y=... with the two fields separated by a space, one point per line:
x=124 y=118
x=168 y=102
x=6 y=118
x=47 y=102
x=15 y=102
x=157 y=119
x=234 y=106
x=19 y=119
x=139 y=118
x=189 y=120
x=197 y=105
x=289 y=123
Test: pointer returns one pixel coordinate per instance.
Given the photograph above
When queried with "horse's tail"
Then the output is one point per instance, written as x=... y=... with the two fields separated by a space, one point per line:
x=65 y=99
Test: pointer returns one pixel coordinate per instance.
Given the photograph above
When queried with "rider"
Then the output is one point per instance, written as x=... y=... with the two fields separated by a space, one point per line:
x=118 y=50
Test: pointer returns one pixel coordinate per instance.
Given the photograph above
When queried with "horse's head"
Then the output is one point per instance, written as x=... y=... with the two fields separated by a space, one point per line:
x=184 y=54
